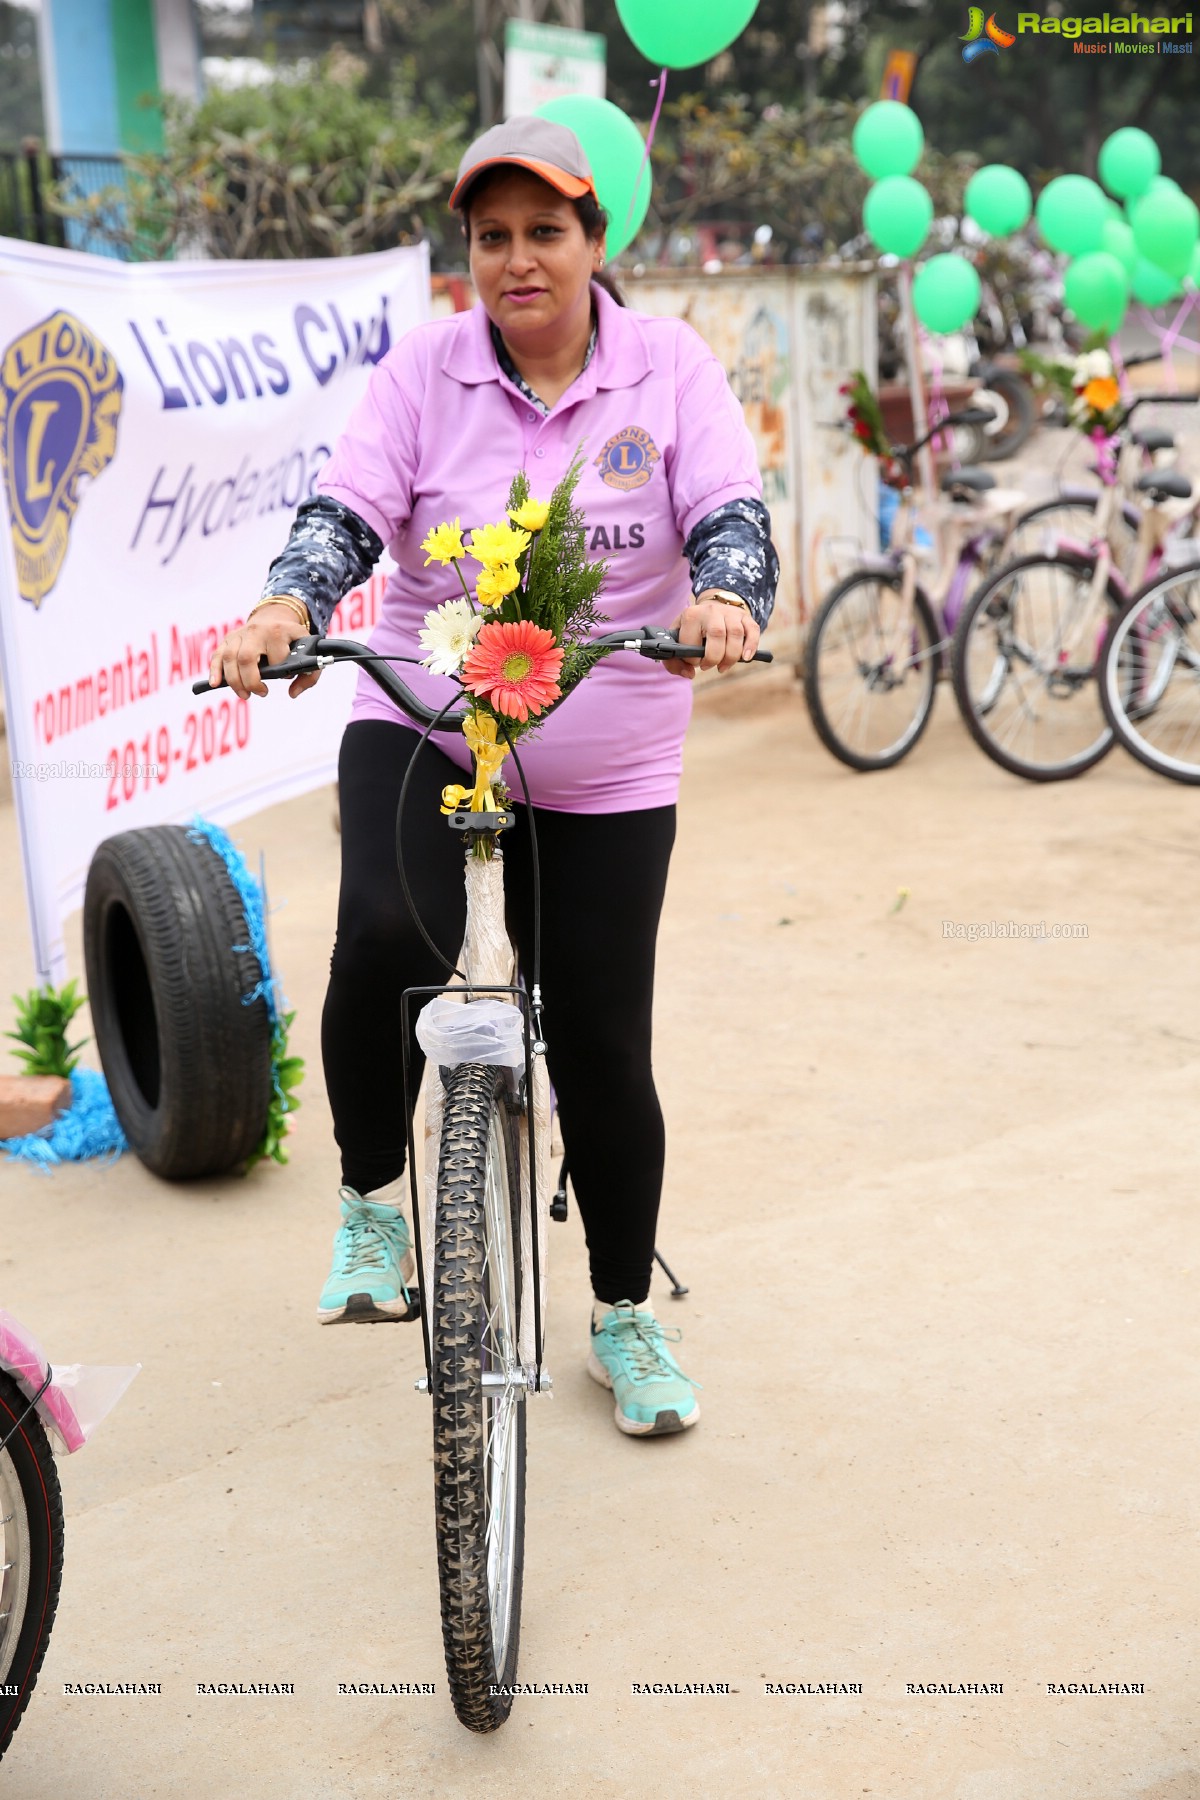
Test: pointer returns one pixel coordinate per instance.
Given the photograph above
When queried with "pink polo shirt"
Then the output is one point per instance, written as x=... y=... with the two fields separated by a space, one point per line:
x=439 y=435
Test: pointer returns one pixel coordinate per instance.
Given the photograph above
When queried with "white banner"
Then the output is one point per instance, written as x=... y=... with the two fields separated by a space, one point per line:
x=547 y=62
x=159 y=425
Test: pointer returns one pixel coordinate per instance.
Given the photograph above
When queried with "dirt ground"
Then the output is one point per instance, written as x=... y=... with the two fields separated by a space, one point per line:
x=934 y=1200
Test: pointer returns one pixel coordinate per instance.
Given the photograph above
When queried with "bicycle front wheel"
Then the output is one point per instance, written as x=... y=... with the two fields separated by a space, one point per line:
x=1025 y=659
x=31 y=1548
x=478 y=1390
x=869 y=670
x=1158 y=717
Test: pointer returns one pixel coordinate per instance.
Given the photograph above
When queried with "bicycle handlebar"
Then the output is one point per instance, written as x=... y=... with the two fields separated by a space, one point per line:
x=309 y=653
x=968 y=415
x=1141 y=400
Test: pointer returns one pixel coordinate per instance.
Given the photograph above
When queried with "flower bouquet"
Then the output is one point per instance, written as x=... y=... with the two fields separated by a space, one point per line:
x=519 y=642
x=864 y=420
x=1088 y=388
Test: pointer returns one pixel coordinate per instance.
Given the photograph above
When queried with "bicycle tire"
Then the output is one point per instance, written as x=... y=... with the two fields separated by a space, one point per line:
x=31 y=1553
x=984 y=721
x=1128 y=730
x=820 y=708
x=480 y=1535
x=1022 y=415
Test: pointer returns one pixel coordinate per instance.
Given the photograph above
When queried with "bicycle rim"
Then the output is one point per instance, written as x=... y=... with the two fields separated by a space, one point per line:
x=31 y=1550
x=1025 y=662
x=478 y=1384
x=1158 y=717
x=870 y=672
x=15 y=1551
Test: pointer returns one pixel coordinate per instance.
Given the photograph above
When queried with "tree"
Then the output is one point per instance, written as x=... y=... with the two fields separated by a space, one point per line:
x=298 y=166
x=20 y=76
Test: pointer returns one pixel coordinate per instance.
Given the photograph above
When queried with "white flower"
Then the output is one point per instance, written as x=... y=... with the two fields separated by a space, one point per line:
x=450 y=630
x=1094 y=364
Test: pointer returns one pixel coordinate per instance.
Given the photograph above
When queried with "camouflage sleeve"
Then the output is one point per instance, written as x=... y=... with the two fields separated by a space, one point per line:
x=330 y=550
x=731 y=548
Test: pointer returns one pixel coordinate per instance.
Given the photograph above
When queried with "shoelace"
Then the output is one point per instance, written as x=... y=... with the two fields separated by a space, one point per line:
x=366 y=1247
x=642 y=1346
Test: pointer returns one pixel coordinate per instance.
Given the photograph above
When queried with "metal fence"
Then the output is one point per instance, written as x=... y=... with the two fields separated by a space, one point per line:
x=26 y=177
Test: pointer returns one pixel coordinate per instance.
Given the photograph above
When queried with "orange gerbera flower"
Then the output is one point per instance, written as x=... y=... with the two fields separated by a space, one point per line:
x=1101 y=393
x=514 y=667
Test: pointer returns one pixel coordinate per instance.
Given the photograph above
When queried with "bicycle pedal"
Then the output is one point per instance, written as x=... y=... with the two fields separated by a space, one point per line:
x=361 y=1310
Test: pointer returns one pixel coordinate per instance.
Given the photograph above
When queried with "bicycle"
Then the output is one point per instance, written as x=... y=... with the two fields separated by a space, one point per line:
x=479 y=1222
x=1157 y=718
x=39 y=1406
x=878 y=639
x=1071 y=511
x=1028 y=644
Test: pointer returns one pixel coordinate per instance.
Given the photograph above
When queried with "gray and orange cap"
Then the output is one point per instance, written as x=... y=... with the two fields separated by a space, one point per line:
x=539 y=145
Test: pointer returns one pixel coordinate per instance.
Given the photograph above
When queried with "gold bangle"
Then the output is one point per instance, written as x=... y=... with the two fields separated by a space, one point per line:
x=728 y=598
x=298 y=607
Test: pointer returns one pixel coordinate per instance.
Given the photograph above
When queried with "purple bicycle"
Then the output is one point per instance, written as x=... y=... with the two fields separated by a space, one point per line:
x=878 y=639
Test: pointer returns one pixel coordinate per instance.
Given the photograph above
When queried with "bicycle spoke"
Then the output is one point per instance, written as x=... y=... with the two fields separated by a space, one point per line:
x=1026 y=669
x=872 y=665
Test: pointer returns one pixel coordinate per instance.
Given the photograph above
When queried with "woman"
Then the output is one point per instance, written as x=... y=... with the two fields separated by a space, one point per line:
x=547 y=360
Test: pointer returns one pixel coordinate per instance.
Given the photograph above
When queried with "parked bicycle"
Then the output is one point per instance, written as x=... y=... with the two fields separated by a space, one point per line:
x=1028 y=643
x=479 y=1225
x=877 y=640
x=1157 y=634
x=41 y=1409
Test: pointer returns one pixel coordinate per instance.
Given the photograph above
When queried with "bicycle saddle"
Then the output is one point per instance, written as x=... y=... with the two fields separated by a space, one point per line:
x=1154 y=437
x=977 y=480
x=1165 y=484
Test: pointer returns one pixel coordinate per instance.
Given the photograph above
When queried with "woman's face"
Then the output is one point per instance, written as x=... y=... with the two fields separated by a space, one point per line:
x=531 y=260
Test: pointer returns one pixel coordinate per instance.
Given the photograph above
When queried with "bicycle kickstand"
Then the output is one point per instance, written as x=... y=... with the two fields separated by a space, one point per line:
x=677 y=1288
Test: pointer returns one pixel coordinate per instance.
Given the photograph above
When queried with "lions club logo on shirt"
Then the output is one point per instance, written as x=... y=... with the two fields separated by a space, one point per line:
x=60 y=398
x=627 y=460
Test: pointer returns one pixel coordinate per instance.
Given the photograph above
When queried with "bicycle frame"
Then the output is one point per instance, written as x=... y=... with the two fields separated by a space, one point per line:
x=964 y=533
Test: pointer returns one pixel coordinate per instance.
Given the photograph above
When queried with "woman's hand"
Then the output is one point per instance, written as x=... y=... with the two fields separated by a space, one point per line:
x=728 y=633
x=270 y=633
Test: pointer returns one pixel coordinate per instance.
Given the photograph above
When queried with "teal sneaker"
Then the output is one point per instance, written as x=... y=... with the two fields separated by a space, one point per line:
x=629 y=1355
x=372 y=1266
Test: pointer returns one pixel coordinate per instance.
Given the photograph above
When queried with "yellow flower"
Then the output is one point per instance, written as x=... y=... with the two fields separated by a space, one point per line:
x=1101 y=393
x=493 y=584
x=444 y=544
x=531 y=515
x=495 y=545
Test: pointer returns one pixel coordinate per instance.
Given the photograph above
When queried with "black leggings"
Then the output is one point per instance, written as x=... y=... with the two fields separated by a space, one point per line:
x=603 y=879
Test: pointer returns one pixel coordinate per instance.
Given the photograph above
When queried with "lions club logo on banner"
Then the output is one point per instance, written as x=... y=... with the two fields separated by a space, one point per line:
x=627 y=460
x=60 y=398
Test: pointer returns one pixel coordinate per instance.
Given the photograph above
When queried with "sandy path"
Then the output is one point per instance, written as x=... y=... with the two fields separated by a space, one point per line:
x=934 y=1200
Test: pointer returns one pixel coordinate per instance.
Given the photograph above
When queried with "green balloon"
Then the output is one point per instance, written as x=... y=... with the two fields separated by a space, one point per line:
x=1128 y=162
x=616 y=150
x=897 y=213
x=998 y=199
x=1097 y=290
x=1117 y=239
x=1072 y=211
x=1193 y=274
x=888 y=139
x=678 y=34
x=1166 y=228
x=1152 y=285
x=946 y=292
